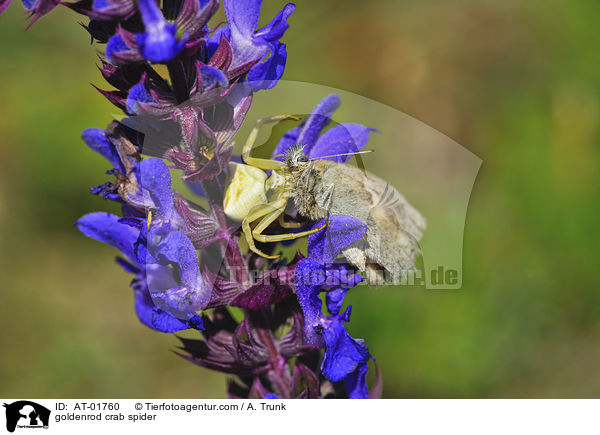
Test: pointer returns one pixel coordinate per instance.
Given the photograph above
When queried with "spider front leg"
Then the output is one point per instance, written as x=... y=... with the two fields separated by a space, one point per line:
x=277 y=206
x=265 y=164
x=269 y=212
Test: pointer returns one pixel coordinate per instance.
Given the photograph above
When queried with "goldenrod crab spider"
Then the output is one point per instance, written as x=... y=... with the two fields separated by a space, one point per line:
x=251 y=195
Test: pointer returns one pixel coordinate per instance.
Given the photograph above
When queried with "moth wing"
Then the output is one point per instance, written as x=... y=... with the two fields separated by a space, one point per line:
x=395 y=226
x=388 y=200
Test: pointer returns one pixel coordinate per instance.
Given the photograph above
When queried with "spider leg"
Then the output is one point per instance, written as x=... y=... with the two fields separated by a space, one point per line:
x=266 y=221
x=277 y=206
x=284 y=224
x=269 y=212
x=266 y=164
x=250 y=240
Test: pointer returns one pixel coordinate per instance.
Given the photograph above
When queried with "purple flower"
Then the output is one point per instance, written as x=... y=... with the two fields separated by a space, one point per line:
x=193 y=291
x=159 y=42
x=108 y=228
x=203 y=68
x=341 y=139
x=114 y=47
x=146 y=308
x=186 y=258
x=97 y=140
x=155 y=179
x=120 y=146
x=137 y=96
x=159 y=243
x=122 y=49
x=162 y=240
x=356 y=384
x=249 y=44
x=344 y=356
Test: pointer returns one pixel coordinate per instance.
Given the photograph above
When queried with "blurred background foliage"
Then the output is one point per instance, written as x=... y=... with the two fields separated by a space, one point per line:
x=517 y=83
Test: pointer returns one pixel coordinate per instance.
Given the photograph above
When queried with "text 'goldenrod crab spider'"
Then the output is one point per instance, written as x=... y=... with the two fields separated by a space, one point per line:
x=251 y=194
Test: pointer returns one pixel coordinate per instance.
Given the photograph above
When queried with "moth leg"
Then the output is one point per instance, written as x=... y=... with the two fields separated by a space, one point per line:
x=251 y=141
x=284 y=224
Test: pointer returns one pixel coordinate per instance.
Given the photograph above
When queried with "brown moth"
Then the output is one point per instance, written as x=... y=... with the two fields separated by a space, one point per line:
x=321 y=188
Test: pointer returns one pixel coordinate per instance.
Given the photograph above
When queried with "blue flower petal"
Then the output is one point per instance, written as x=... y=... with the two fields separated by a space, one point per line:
x=154 y=317
x=319 y=118
x=308 y=277
x=141 y=248
x=158 y=43
x=341 y=231
x=159 y=278
x=341 y=139
x=271 y=396
x=193 y=294
x=98 y=5
x=177 y=249
x=335 y=299
x=212 y=76
x=344 y=354
x=248 y=45
x=137 y=94
x=28 y=4
x=278 y=25
x=106 y=228
x=242 y=16
x=116 y=44
x=340 y=274
x=264 y=75
x=356 y=383
x=97 y=140
x=106 y=191
x=127 y=266
x=195 y=321
x=154 y=176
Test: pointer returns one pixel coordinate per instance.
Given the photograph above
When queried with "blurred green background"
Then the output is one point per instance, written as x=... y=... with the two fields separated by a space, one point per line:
x=517 y=83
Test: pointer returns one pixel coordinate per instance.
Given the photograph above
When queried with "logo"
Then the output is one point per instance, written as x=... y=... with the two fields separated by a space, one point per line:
x=26 y=414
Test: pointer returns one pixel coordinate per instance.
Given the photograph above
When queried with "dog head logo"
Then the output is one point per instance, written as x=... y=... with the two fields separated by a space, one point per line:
x=26 y=414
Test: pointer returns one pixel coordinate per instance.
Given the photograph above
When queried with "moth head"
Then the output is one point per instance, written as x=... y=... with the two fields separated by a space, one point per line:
x=295 y=159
